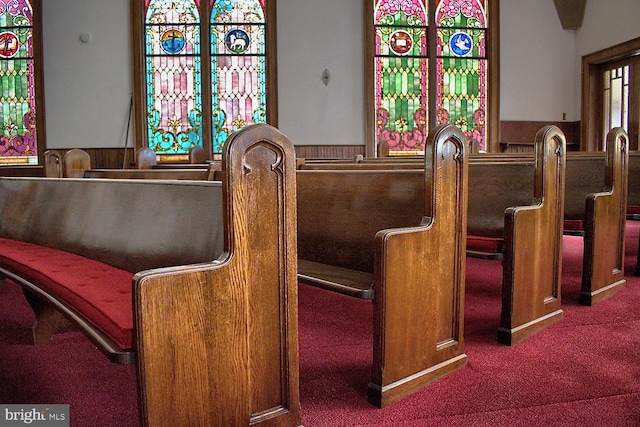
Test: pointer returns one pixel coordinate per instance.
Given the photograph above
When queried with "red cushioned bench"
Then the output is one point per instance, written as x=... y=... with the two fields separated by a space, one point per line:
x=75 y=245
x=171 y=274
x=90 y=290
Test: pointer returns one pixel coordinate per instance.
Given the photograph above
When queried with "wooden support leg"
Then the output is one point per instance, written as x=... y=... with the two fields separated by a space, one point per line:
x=49 y=321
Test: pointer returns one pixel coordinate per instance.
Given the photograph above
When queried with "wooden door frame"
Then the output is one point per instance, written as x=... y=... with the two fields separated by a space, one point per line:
x=591 y=111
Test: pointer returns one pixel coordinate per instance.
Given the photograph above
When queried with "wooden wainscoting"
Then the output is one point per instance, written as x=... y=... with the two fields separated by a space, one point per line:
x=329 y=151
x=517 y=136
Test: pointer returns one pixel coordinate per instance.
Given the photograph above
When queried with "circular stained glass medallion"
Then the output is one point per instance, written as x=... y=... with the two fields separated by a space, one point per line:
x=237 y=40
x=461 y=44
x=9 y=44
x=400 y=42
x=172 y=41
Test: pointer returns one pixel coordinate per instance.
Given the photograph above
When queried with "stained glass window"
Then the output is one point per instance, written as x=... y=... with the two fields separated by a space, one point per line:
x=213 y=53
x=238 y=72
x=429 y=67
x=173 y=71
x=19 y=138
x=461 y=74
x=401 y=82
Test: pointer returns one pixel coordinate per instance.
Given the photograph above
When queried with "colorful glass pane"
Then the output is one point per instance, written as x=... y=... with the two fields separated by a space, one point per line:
x=18 y=140
x=238 y=67
x=461 y=66
x=173 y=76
x=401 y=73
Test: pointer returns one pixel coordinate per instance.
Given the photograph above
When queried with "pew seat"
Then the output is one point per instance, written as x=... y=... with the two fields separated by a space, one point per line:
x=633 y=212
x=485 y=247
x=95 y=295
x=354 y=283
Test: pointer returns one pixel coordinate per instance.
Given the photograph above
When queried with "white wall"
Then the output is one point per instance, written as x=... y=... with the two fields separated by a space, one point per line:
x=536 y=63
x=607 y=23
x=310 y=112
x=88 y=85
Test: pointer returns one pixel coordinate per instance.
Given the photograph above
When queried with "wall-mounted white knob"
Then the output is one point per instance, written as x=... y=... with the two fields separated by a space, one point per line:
x=85 y=37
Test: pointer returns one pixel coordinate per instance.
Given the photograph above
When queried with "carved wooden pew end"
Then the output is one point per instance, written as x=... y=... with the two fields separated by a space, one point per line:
x=375 y=234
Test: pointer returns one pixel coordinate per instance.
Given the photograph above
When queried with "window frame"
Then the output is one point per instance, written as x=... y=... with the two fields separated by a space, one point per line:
x=493 y=77
x=139 y=83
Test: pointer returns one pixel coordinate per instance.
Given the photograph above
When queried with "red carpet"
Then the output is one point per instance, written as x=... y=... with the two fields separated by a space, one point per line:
x=583 y=371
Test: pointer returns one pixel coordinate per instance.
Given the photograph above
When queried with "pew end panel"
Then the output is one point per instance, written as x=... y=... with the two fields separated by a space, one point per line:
x=146 y=158
x=75 y=162
x=217 y=341
x=419 y=282
x=603 y=270
x=52 y=164
x=532 y=263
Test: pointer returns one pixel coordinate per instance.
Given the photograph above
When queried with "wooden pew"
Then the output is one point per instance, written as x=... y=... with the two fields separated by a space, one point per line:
x=587 y=181
x=146 y=158
x=604 y=215
x=513 y=210
x=391 y=237
x=212 y=308
x=532 y=235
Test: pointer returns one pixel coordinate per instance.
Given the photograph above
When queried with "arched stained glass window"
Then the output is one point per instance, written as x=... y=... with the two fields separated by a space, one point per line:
x=19 y=137
x=237 y=67
x=173 y=74
x=461 y=94
x=430 y=65
x=401 y=81
x=206 y=72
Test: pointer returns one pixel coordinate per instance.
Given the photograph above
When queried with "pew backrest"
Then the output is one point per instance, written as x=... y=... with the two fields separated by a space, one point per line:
x=129 y=224
x=159 y=173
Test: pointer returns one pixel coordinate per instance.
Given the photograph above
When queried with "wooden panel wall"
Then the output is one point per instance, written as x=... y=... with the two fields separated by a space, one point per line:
x=518 y=136
x=329 y=151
